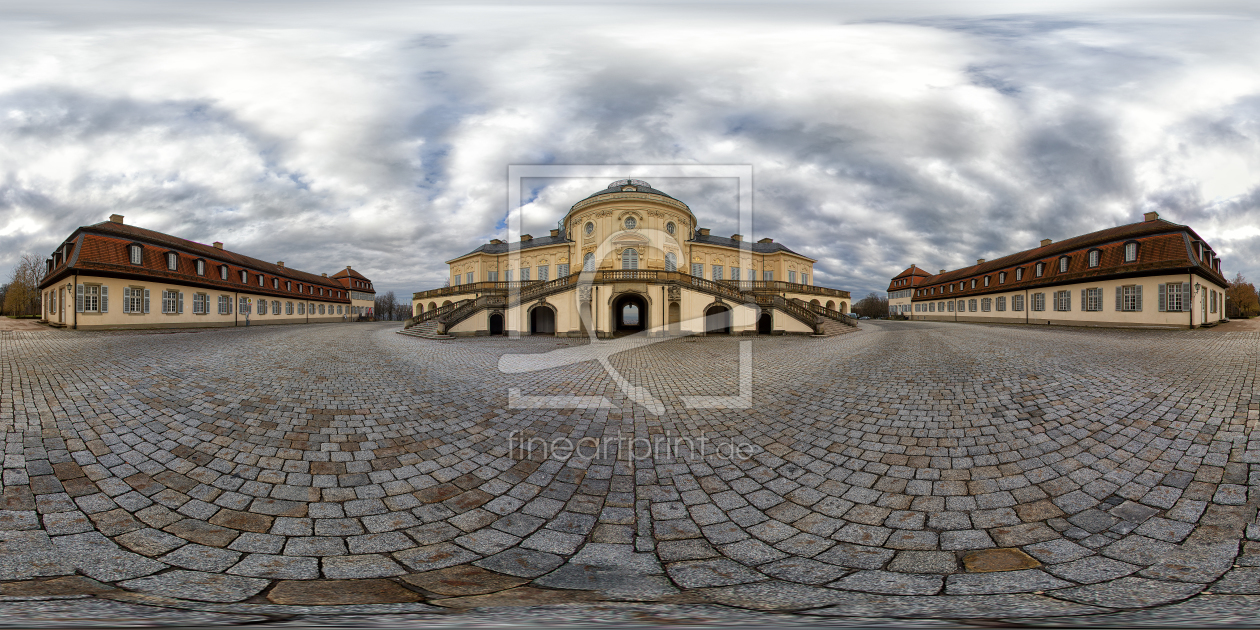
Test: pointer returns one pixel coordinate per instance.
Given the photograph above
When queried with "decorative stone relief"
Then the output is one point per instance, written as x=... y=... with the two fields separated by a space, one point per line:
x=675 y=292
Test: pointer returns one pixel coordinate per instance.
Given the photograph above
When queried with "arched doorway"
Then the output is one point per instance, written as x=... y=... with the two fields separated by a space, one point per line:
x=446 y=302
x=717 y=319
x=630 y=313
x=765 y=323
x=675 y=317
x=542 y=321
x=432 y=305
x=496 y=323
x=815 y=302
x=584 y=316
x=831 y=305
x=844 y=307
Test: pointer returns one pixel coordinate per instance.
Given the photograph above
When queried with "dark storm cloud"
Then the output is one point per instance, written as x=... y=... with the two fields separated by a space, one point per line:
x=382 y=138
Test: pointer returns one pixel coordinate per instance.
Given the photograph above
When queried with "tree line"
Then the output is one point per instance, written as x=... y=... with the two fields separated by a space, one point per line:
x=20 y=296
x=388 y=308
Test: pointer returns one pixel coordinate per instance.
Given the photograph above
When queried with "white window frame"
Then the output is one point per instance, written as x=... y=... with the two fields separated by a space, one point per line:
x=223 y=272
x=1063 y=264
x=1039 y=302
x=201 y=267
x=1130 y=252
x=1095 y=258
x=1063 y=301
x=91 y=298
x=135 y=254
x=1019 y=274
x=172 y=261
x=544 y=273
x=1093 y=299
x=717 y=272
x=1039 y=270
x=1017 y=303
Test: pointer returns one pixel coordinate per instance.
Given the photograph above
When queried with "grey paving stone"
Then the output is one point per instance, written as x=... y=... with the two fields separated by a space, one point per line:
x=775 y=595
x=1194 y=563
x=1026 y=581
x=865 y=605
x=198 y=586
x=1092 y=569
x=360 y=567
x=1129 y=592
x=1165 y=530
x=100 y=559
x=1244 y=581
x=714 y=572
x=803 y=570
x=1133 y=512
x=555 y=542
x=275 y=567
x=924 y=562
x=890 y=583
x=433 y=557
x=520 y=562
x=966 y=539
x=856 y=556
x=614 y=582
x=201 y=558
x=86 y=613
x=1057 y=551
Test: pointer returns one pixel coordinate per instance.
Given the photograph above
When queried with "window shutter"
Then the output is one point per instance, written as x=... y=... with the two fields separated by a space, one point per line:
x=78 y=298
x=1185 y=296
x=1067 y=300
x=1119 y=299
x=1084 y=300
x=126 y=299
x=1163 y=297
x=1138 y=288
x=146 y=301
x=179 y=304
x=104 y=299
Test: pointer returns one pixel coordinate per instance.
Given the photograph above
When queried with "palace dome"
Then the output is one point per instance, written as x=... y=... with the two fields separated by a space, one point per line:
x=628 y=185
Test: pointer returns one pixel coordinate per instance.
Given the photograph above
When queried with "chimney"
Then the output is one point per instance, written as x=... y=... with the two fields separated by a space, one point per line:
x=218 y=245
x=942 y=271
x=766 y=240
x=281 y=265
x=526 y=237
x=737 y=237
x=1149 y=216
x=116 y=218
x=555 y=233
x=347 y=267
x=325 y=275
x=703 y=231
x=979 y=261
x=1045 y=242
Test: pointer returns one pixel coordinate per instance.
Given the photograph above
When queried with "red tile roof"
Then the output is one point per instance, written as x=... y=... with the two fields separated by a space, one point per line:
x=913 y=273
x=102 y=249
x=347 y=277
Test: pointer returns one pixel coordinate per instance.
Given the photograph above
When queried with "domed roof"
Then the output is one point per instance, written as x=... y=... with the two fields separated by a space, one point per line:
x=629 y=185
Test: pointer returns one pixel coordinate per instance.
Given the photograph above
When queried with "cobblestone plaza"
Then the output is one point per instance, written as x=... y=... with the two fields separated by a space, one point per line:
x=911 y=470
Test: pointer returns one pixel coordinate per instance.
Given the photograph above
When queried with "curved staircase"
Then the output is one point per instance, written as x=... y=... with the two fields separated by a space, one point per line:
x=427 y=330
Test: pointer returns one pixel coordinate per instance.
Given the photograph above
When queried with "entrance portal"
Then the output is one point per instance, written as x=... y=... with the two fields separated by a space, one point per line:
x=717 y=319
x=496 y=324
x=765 y=323
x=630 y=313
x=542 y=321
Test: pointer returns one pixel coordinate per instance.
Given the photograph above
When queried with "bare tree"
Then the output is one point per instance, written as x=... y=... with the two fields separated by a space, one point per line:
x=386 y=306
x=1242 y=300
x=873 y=305
x=21 y=296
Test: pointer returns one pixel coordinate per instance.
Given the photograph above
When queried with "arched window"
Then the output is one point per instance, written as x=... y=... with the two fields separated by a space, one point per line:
x=630 y=259
x=671 y=261
x=588 y=262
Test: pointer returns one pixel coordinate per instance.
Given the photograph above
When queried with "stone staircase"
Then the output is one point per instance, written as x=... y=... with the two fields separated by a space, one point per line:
x=426 y=330
x=831 y=328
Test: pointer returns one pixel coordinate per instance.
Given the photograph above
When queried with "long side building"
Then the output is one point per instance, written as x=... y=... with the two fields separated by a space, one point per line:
x=1149 y=274
x=114 y=275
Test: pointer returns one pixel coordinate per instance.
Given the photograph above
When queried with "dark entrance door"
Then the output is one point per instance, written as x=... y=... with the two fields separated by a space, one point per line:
x=496 y=324
x=718 y=320
x=631 y=313
x=542 y=321
x=764 y=323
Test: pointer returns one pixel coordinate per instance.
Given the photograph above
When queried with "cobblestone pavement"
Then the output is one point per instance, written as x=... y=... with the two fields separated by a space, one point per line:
x=909 y=470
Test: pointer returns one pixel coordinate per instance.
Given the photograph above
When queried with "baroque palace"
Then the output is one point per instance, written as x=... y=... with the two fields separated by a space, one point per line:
x=649 y=268
x=114 y=275
x=1149 y=274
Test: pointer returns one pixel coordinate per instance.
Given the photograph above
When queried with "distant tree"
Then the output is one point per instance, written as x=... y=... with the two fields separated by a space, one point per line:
x=386 y=306
x=1241 y=298
x=21 y=295
x=873 y=305
x=4 y=288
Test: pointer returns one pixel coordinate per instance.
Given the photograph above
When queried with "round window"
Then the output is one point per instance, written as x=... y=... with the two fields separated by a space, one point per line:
x=630 y=223
x=590 y=227
x=669 y=227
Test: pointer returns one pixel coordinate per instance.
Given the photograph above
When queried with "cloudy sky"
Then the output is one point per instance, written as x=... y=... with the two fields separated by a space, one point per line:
x=378 y=134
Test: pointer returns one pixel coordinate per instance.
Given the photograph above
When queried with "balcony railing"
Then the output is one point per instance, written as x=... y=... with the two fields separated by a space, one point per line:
x=532 y=287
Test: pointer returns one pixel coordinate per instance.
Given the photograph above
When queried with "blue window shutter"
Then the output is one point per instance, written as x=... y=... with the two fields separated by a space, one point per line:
x=78 y=298
x=146 y=301
x=1163 y=297
x=126 y=299
x=104 y=299
x=1139 y=296
x=1185 y=296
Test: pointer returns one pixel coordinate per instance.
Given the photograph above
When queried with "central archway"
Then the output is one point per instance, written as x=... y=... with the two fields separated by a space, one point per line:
x=765 y=323
x=630 y=313
x=496 y=324
x=718 y=320
x=542 y=321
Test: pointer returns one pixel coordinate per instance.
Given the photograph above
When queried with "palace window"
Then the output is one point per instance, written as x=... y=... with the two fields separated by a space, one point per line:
x=288 y=308
x=590 y=228
x=172 y=302
x=951 y=287
x=1174 y=296
x=735 y=274
x=225 y=305
x=89 y=298
x=630 y=223
x=768 y=275
x=135 y=300
x=321 y=309
x=544 y=273
x=752 y=273
x=804 y=278
x=275 y=307
x=1002 y=278
x=671 y=228
x=971 y=305
x=242 y=306
x=492 y=276
x=1129 y=298
x=1039 y=301
x=1063 y=264
x=792 y=277
x=1130 y=251
x=262 y=307
x=671 y=261
x=717 y=272
x=301 y=308
x=588 y=262
x=1095 y=257
x=1040 y=270
x=1019 y=274
x=1091 y=299
x=133 y=252
x=697 y=270
x=1063 y=300
x=951 y=305
x=288 y=285
x=468 y=277
x=562 y=270
x=986 y=304
x=199 y=304
x=1017 y=303
x=1001 y=303
x=201 y=267
x=525 y=274
x=511 y=275
x=1213 y=305
x=630 y=258
x=931 y=307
